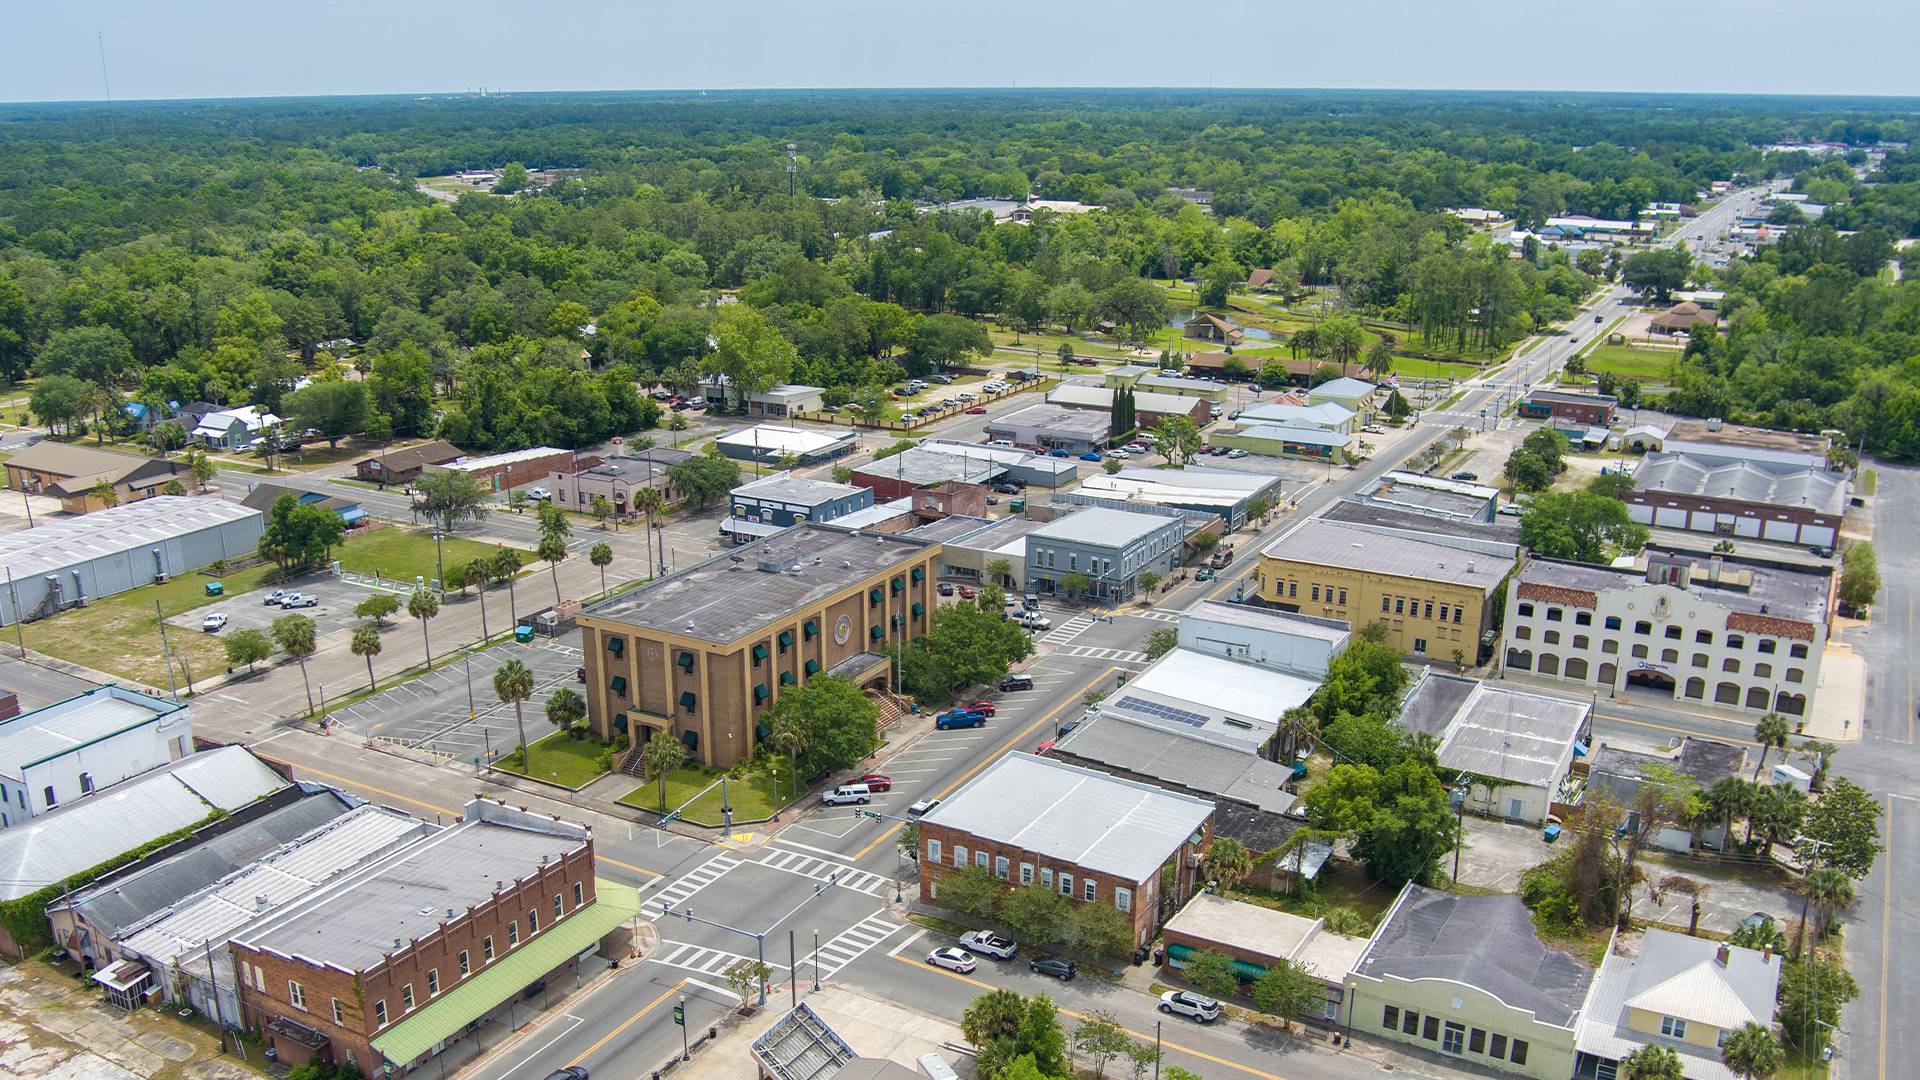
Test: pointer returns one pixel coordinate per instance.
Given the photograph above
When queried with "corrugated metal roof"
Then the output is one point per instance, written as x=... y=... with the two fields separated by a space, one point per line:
x=82 y=835
x=1075 y=815
x=56 y=545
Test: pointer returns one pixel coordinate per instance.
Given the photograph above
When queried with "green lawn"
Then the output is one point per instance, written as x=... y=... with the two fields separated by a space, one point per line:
x=753 y=797
x=404 y=553
x=559 y=759
x=1431 y=369
x=1631 y=362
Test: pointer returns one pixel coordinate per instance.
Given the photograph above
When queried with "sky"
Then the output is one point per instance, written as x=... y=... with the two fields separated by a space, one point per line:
x=265 y=48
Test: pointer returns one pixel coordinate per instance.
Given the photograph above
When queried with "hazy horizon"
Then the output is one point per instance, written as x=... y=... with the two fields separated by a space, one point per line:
x=227 y=49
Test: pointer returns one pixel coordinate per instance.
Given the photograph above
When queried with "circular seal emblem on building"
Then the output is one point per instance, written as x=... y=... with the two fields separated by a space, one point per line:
x=842 y=630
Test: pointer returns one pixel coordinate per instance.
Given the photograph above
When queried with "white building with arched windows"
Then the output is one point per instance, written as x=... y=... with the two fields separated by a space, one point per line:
x=1733 y=632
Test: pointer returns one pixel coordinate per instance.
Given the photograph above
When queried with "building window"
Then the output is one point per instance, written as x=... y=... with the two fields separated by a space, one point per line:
x=1443 y=612
x=959 y=855
x=86 y=783
x=513 y=933
x=1610 y=646
x=1580 y=641
x=1797 y=650
x=1343 y=598
x=1555 y=614
x=1639 y=652
x=579 y=894
x=933 y=852
x=1477 y=1041
x=1453 y=1039
x=1293 y=589
x=1763 y=671
x=1526 y=611
x=1673 y=633
x=1430 y=1031
x=1088 y=890
x=1551 y=637
x=1410 y=1023
x=1386 y=603
x=533 y=920
x=1767 y=645
x=1519 y=1055
x=1612 y=623
x=1794 y=674
x=1066 y=885
x=1420 y=646
x=1523 y=633
x=1428 y=610
x=1669 y=656
x=980 y=859
x=1699 y=660
x=47 y=797
x=1457 y=612
x=1123 y=899
x=1316 y=593
x=559 y=907
x=1390 y=1017
x=1703 y=637
x=380 y=1014
x=1730 y=664
x=1643 y=628
x=1583 y=618
x=433 y=981
x=466 y=964
x=1046 y=878
x=406 y=998
x=1400 y=605
x=295 y=995
x=1497 y=1046
x=339 y=1014
x=1736 y=641
x=486 y=949
x=1000 y=866
x=1026 y=873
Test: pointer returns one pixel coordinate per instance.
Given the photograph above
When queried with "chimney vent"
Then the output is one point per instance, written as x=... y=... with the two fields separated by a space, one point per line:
x=1766 y=953
x=260 y=902
x=499 y=885
x=1721 y=956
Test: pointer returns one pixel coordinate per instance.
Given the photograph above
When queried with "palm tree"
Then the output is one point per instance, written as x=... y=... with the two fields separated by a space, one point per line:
x=786 y=732
x=424 y=605
x=366 y=642
x=480 y=572
x=1771 y=733
x=1228 y=862
x=513 y=682
x=1298 y=725
x=600 y=555
x=1651 y=1063
x=565 y=708
x=1752 y=1051
x=1779 y=812
x=552 y=548
x=506 y=565
x=1828 y=891
x=295 y=634
x=662 y=755
x=649 y=501
x=1379 y=362
x=1731 y=798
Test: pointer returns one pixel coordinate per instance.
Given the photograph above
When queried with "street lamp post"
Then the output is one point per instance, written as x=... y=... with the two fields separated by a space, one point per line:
x=816 y=959
x=439 y=563
x=759 y=936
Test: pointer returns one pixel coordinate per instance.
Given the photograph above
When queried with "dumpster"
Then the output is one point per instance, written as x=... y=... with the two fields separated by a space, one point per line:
x=215 y=588
x=1017 y=506
x=523 y=634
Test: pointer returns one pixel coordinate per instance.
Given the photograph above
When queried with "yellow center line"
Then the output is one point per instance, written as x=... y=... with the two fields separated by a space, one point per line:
x=631 y=1020
x=377 y=791
x=1144 y=1036
x=597 y=857
x=1003 y=748
x=1886 y=933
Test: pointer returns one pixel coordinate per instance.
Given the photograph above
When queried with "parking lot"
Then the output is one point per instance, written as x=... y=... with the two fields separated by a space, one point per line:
x=431 y=712
x=250 y=610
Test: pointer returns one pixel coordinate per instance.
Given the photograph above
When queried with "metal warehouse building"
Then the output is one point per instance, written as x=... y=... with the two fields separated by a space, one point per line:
x=55 y=566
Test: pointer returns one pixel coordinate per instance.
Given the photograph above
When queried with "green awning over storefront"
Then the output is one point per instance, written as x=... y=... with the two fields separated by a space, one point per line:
x=919 y=608
x=760 y=691
x=450 y=1013
x=616 y=646
x=619 y=684
x=1179 y=954
x=899 y=584
x=919 y=573
x=687 y=699
x=685 y=660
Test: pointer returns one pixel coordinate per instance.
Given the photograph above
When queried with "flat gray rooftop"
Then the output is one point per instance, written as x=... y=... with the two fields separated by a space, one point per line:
x=787 y=488
x=1195 y=764
x=66 y=726
x=1433 y=558
x=1486 y=942
x=1100 y=525
x=730 y=595
x=353 y=925
x=1426 y=499
x=1084 y=422
x=116 y=530
x=924 y=465
x=1292 y=623
x=1381 y=516
x=1784 y=592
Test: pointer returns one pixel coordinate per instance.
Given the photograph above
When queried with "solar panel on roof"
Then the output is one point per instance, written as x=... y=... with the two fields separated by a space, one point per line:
x=1166 y=712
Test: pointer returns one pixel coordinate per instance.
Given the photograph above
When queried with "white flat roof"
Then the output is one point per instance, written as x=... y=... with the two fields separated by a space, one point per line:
x=1236 y=923
x=66 y=726
x=1215 y=694
x=490 y=461
x=774 y=437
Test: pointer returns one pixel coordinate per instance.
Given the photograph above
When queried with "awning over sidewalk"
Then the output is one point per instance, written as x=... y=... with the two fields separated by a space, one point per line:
x=448 y=1015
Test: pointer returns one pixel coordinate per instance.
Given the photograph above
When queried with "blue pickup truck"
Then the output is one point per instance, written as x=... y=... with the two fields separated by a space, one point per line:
x=959 y=718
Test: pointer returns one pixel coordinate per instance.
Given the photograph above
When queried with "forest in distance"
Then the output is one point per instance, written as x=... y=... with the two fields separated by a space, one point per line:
x=178 y=251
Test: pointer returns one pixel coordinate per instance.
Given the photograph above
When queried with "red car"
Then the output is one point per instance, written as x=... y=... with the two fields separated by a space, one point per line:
x=983 y=706
x=966 y=592
x=977 y=410
x=876 y=782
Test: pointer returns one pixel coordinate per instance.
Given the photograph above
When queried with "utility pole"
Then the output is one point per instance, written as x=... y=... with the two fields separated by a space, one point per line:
x=793 y=170
x=167 y=654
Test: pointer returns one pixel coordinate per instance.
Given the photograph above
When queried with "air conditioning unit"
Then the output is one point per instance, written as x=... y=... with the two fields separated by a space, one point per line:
x=161 y=578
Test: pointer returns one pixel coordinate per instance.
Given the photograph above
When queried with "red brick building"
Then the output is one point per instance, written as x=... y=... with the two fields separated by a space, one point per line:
x=382 y=968
x=503 y=472
x=1593 y=410
x=1096 y=838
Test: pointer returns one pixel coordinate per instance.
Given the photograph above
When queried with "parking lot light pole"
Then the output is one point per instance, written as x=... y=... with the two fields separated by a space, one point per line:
x=439 y=563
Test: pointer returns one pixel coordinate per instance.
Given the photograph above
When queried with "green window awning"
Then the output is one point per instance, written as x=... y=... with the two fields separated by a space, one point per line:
x=899 y=585
x=919 y=608
x=685 y=660
x=759 y=652
x=474 y=997
x=786 y=678
x=616 y=646
x=813 y=667
x=619 y=684
x=1179 y=954
x=619 y=721
x=690 y=739
x=877 y=632
x=687 y=699
x=786 y=639
x=761 y=731
x=919 y=574
x=760 y=692
x=812 y=629
x=899 y=621
x=874 y=596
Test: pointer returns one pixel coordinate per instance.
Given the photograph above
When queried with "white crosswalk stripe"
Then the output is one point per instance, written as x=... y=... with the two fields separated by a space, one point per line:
x=807 y=866
x=1123 y=656
x=1156 y=613
x=703 y=960
x=694 y=880
x=854 y=943
x=1069 y=630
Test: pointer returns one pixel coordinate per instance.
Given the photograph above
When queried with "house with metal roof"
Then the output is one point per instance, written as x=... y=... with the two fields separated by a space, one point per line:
x=71 y=749
x=1469 y=977
x=1684 y=993
x=1286 y=440
x=770 y=443
x=262 y=496
x=1513 y=749
x=1097 y=838
x=74 y=474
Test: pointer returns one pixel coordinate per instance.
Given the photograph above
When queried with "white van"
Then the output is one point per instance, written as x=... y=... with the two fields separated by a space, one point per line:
x=846 y=793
